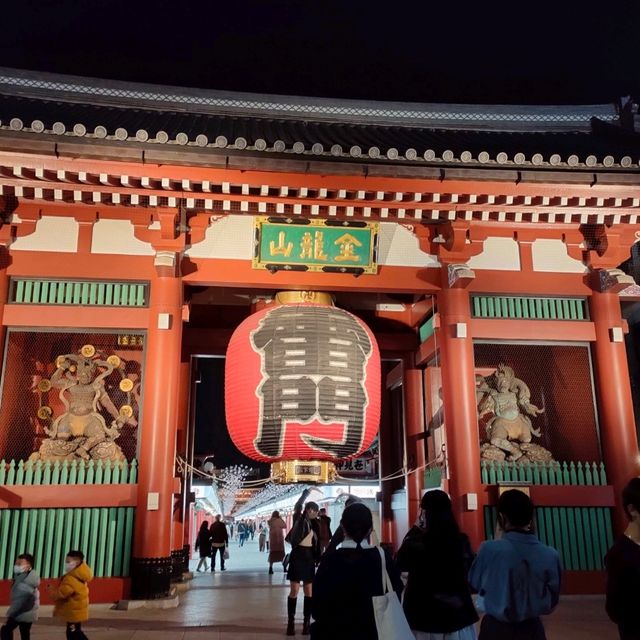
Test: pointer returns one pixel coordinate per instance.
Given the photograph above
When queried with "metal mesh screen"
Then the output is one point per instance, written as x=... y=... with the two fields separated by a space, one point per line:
x=60 y=386
x=559 y=381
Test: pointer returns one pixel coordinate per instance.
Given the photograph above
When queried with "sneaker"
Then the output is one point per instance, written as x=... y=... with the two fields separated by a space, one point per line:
x=223 y=569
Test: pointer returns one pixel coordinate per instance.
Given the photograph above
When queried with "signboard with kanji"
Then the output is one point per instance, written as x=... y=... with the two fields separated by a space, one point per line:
x=364 y=467
x=315 y=245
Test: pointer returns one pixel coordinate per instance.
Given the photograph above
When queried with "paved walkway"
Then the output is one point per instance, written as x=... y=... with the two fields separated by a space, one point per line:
x=246 y=603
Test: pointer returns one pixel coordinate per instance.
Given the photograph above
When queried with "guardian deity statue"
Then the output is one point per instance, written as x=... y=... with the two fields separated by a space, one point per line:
x=505 y=408
x=81 y=431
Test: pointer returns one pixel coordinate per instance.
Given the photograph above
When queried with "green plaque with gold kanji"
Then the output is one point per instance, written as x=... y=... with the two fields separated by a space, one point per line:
x=315 y=245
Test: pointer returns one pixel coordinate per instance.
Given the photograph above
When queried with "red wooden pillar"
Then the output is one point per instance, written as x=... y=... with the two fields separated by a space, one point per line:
x=4 y=298
x=386 y=468
x=151 y=565
x=412 y=386
x=461 y=421
x=179 y=553
x=617 y=425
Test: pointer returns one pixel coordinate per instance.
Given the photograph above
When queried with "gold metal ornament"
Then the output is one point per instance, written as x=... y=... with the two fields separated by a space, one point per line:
x=309 y=471
x=73 y=368
x=299 y=297
x=44 y=413
x=126 y=411
x=60 y=360
x=88 y=351
x=126 y=384
x=114 y=361
x=44 y=385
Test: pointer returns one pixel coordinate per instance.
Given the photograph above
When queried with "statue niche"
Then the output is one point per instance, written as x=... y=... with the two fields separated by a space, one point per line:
x=505 y=410
x=80 y=431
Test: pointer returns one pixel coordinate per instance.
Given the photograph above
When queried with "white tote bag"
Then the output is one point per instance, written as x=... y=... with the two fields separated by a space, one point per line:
x=391 y=622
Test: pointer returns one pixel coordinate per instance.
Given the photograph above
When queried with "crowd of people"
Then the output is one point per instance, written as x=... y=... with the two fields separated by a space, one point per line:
x=515 y=576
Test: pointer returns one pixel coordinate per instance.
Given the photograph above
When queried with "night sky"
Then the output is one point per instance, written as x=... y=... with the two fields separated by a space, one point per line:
x=483 y=52
x=212 y=435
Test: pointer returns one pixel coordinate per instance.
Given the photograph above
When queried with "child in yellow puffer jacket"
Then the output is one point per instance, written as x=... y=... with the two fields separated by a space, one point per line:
x=72 y=595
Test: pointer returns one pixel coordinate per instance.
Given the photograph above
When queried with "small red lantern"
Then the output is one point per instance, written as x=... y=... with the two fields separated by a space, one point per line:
x=302 y=382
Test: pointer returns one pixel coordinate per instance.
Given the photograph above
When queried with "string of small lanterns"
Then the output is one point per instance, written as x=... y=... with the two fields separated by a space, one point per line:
x=270 y=493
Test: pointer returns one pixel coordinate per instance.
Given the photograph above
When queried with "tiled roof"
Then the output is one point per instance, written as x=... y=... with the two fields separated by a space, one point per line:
x=586 y=136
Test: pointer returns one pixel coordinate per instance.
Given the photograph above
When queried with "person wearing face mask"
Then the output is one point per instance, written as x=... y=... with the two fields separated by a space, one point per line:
x=72 y=595
x=623 y=569
x=23 y=610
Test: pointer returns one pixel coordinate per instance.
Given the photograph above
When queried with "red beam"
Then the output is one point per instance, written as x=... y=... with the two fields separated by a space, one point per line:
x=529 y=283
x=38 y=264
x=102 y=590
x=67 y=496
x=240 y=273
x=27 y=315
x=559 y=495
x=426 y=351
x=583 y=582
x=503 y=329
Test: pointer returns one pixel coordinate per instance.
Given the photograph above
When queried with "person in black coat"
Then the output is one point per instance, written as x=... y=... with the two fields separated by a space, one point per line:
x=437 y=556
x=219 y=541
x=623 y=569
x=305 y=553
x=347 y=580
x=203 y=545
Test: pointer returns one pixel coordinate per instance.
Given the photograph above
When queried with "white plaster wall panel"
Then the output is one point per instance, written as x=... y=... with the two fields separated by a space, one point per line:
x=399 y=247
x=118 y=237
x=229 y=237
x=551 y=255
x=500 y=254
x=51 y=234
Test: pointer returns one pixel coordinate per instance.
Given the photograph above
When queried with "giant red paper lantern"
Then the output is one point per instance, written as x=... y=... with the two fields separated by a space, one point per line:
x=302 y=382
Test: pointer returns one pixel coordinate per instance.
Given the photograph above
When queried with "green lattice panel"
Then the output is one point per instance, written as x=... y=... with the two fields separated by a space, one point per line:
x=532 y=308
x=80 y=293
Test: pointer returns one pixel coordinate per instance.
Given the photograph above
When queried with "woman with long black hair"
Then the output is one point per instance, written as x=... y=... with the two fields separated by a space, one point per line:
x=348 y=579
x=305 y=553
x=437 y=557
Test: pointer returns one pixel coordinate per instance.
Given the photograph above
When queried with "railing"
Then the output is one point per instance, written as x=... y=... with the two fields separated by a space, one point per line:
x=67 y=472
x=104 y=534
x=582 y=535
x=77 y=292
x=554 y=473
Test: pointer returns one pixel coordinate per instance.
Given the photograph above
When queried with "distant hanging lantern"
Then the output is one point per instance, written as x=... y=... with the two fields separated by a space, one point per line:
x=302 y=387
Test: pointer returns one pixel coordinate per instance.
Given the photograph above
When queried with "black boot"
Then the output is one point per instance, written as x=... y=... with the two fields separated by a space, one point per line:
x=291 y=613
x=307 y=615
